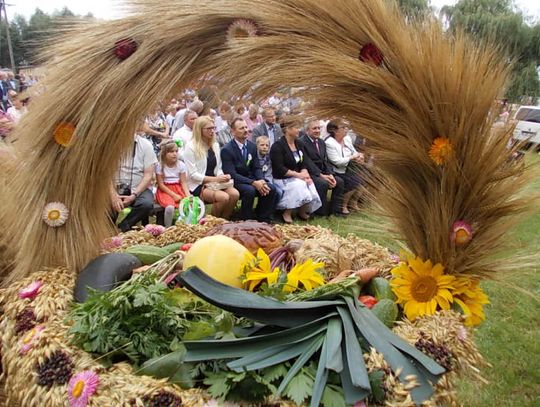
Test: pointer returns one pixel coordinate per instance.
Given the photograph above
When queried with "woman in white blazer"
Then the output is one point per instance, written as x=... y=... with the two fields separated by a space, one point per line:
x=344 y=158
x=203 y=163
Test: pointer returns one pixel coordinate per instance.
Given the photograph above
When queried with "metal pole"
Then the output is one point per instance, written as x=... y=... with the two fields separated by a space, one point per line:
x=8 y=36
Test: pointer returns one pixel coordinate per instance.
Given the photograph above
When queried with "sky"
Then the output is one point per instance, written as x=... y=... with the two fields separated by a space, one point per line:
x=108 y=9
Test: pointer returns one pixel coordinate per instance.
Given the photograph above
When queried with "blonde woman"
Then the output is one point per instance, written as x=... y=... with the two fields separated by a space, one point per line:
x=203 y=162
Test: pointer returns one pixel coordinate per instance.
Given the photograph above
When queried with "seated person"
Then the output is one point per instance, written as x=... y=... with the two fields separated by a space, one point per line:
x=263 y=149
x=239 y=158
x=344 y=158
x=268 y=128
x=320 y=170
x=289 y=170
x=171 y=180
x=203 y=162
x=132 y=183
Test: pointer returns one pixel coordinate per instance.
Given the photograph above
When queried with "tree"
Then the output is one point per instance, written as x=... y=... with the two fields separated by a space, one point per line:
x=414 y=9
x=500 y=22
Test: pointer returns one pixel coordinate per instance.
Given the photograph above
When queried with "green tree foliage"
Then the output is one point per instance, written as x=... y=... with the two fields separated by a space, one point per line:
x=414 y=9
x=29 y=36
x=500 y=22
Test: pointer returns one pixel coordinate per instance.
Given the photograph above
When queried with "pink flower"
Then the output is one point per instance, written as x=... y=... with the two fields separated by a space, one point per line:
x=81 y=387
x=112 y=243
x=360 y=404
x=395 y=258
x=28 y=340
x=461 y=233
x=462 y=334
x=31 y=291
x=202 y=221
x=154 y=230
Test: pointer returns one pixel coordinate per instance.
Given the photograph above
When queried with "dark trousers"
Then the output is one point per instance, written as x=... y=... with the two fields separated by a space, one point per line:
x=140 y=209
x=334 y=206
x=265 y=206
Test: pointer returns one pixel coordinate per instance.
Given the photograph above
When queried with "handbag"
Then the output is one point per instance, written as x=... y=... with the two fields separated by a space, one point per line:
x=218 y=186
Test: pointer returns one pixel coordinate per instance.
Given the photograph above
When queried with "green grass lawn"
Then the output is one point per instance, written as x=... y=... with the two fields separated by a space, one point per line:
x=509 y=339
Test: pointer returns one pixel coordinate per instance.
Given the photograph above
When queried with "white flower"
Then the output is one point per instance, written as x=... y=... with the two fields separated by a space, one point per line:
x=241 y=28
x=55 y=214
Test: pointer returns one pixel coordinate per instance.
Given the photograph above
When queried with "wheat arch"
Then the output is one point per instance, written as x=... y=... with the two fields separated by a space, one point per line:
x=429 y=85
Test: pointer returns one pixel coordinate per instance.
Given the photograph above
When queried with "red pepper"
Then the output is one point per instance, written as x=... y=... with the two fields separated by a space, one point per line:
x=186 y=247
x=368 y=300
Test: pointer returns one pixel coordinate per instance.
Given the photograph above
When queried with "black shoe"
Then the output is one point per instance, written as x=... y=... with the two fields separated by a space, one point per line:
x=341 y=214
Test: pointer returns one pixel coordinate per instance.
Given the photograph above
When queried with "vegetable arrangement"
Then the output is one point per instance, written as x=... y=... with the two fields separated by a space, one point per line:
x=327 y=332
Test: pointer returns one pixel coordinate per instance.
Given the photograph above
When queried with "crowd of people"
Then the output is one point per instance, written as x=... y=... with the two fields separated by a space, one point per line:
x=304 y=168
x=12 y=105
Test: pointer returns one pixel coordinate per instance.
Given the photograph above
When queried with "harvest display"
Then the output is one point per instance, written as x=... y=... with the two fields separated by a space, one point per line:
x=244 y=313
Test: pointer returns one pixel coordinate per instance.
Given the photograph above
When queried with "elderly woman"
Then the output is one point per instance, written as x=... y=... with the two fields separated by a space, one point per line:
x=204 y=174
x=344 y=158
x=290 y=174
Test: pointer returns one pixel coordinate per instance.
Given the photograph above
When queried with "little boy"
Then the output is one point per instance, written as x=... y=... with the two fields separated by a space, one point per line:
x=263 y=148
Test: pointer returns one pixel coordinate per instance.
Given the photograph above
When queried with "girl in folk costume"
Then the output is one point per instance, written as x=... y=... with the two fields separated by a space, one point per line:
x=171 y=180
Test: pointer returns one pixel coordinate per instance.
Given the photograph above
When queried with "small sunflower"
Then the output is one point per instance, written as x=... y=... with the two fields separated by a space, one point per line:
x=441 y=150
x=471 y=299
x=258 y=270
x=241 y=28
x=55 y=214
x=63 y=133
x=421 y=287
x=461 y=233
x=304 y=274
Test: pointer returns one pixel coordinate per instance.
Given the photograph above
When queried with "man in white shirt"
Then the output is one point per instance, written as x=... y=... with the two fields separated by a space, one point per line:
x=185 y=133
x=195 y=106
x=268 y=127
x=132 y=183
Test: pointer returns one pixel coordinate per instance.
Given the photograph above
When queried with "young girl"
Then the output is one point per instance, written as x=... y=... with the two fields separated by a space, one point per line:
x=171 y=180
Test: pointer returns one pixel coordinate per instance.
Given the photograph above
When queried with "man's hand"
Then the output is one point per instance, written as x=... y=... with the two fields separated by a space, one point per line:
x=117 y=203
x=330 y=179
x=261 y=186
x=128 y=200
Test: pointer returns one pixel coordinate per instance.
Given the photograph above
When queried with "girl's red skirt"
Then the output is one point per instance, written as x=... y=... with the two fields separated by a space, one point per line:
x=164 y=199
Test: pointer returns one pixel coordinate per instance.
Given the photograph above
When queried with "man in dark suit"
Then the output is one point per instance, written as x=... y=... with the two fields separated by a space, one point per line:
x=268 y=127
x=239 y=159
x=320 y=170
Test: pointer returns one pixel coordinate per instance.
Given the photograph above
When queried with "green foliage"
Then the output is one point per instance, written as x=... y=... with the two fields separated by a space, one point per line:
x=239 y=386
x=143 y=319
x=301 y=385
x=499 y=22
x=170 y=366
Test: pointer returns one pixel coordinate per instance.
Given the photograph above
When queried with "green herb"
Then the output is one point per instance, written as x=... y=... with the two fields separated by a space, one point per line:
x=143 y=319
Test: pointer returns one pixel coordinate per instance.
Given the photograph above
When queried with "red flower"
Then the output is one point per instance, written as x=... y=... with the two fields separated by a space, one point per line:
x=124 y=48
x=371 y=54
x=368 y=300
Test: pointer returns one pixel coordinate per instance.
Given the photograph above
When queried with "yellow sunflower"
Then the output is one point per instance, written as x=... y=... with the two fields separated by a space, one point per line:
x=471 y=298
x=257 y=271
x=441 y=150
x=421 y=287
x=305 y=274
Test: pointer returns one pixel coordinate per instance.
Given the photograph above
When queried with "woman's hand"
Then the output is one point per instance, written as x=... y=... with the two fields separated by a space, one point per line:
x=176 y=197
x=223 y=178
x=117 y=203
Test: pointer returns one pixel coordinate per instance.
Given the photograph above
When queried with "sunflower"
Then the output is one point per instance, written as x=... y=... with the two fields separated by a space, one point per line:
x=55 y=214
x=258 y=270
x=421 y=287
x=305 y=274
x=441 y=150
x=63 y=133
x=471 y=299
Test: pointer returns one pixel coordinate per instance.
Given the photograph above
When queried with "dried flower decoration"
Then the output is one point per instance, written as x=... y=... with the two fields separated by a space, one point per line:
x=31 y=291
x=461 y=233
x=241 y=28
x=81 y=387
x=28 y=340
x=154 y=230
x=124 y=48
x=370 y=53
x=63 y=133
x=441 y=150
x=55 y=214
